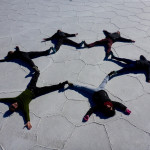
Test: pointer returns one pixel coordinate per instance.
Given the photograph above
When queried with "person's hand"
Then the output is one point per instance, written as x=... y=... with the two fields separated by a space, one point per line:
x=86 y=117
x=132 y=41
x=28 y=125
x=128 y=111
x=149 y=81
x=44 y=40
x=76 y=34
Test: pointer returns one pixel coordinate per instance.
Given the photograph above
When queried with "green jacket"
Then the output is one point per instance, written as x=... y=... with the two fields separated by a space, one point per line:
x=23 y=101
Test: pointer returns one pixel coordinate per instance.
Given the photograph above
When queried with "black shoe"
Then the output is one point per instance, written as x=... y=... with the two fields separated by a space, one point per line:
x=49 y=50
x=86 y=45
x=64 y=83
x=70 y=84
x=80 y=45
x=112 y=73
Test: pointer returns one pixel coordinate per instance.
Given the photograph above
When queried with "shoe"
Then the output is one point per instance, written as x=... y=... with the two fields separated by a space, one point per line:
x=86 y=45
x=109 y=54
x=54 y=50
x=35 y=68
x=80 y=45
x=49 y=50
x=70 y=84
x=63 y=84
x=86 y=118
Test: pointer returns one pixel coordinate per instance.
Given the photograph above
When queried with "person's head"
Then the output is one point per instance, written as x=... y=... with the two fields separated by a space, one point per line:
x=58 y=31
x=109 y=111
x=13 y=107
x=10 y=53
x=118 y=32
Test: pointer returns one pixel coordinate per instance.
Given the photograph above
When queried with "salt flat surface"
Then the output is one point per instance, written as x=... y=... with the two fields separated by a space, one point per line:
x=57 y=117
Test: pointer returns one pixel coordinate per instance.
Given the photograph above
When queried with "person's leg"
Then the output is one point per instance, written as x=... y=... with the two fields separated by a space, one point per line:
x=38 y=91
x=33 y=55
x=58 y=44
x=127 y=61
x=102 y=42
x=128 y=69
x=28 y=61
x=71 y=43
x=33 y=81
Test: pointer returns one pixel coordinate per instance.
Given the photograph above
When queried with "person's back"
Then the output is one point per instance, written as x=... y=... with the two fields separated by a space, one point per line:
x=100 y=97
x=15 y=55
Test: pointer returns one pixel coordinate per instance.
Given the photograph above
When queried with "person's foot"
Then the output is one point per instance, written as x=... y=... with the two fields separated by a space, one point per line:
x=80 y=45
x=86 y=45
x=108 y=54
x=63 y=83
x=35 y=68
x=49 y=50
x=127 y=111
x=54 y=50
x=70 y=84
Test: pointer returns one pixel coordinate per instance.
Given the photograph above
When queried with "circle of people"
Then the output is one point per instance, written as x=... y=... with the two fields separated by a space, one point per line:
x=102 y=102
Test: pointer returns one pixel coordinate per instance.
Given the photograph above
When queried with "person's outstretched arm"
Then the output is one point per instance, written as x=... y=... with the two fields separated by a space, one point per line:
x=27 y=117
x=121 y=107
x=3 y=60
x=7 y=100
x=106 y=33
x=70 y=35
x=121 y=39
x=90 y=112
x=50 y=38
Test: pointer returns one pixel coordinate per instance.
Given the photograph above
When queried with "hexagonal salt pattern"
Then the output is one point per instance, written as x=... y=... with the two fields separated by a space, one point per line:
x=97 y=138
x=56 y=117
x=130 y=137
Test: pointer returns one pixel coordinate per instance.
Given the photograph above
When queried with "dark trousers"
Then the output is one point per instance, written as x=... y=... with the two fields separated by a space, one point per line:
x=107 y=43
x=38 y=91
x=28 y=56
x=65 y=41
x=131 y=65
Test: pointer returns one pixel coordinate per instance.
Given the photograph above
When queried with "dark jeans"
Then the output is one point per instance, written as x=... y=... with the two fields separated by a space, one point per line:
x=38 y=91
x=28 y=56
x=59 y=42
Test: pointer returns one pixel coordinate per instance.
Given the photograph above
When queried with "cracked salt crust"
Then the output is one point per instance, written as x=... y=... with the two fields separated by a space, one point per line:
x=56 y=117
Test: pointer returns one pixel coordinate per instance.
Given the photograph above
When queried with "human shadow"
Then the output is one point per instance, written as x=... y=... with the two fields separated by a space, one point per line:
x=128 y=69
x=21 y=63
